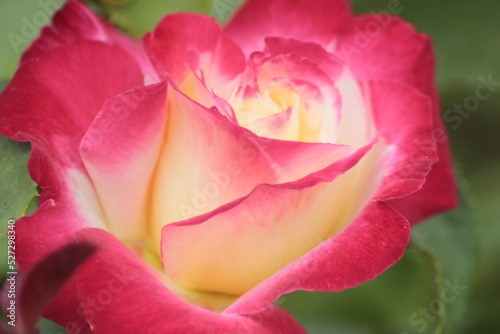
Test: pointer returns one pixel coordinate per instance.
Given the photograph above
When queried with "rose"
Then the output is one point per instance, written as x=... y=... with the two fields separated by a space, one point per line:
x=275 y=154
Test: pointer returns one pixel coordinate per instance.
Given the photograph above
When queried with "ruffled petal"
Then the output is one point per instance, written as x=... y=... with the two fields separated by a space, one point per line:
x=184 y=45
x=317 y=21
x=411 y=186
x=403 y=117
x=288 y=92
x=313 y=52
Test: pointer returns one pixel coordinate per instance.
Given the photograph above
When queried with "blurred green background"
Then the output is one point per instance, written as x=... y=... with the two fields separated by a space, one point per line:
x=455 y=254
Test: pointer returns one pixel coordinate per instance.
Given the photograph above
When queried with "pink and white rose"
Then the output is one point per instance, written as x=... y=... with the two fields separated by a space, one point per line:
x=218 y=168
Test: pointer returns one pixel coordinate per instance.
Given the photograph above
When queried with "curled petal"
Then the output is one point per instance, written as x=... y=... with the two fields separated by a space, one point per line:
x=120 y=151
x=313 y=21
x=248 y=240
x=185 y=43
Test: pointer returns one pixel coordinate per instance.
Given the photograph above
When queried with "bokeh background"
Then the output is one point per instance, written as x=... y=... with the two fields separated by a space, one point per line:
x=456 y=253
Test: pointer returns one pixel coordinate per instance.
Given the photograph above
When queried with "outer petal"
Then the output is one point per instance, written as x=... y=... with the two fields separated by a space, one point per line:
x=120 y=151
x=403 y=117
x=248 y=240
x=183 y=43
x=317 y=21
x=57 y=97
x=73 y=22
x=374 y=241
x=76 y=22
x=114 y=284
x=397 y=53
x=52 y=101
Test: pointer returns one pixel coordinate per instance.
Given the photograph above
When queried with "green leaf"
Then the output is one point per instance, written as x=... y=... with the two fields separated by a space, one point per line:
x=17 y=189
x=2 y=85
x=452 y=240
x=223 y=9
x=140 y=16
x=49 y=327
x=20 y=23
x=482 y=316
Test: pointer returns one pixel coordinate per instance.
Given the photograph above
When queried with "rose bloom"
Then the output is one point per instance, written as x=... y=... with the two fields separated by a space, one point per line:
x=218 y=168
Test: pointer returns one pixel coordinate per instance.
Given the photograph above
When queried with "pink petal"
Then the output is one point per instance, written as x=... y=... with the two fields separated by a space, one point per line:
x=120 y=151
x=374 y=241
x=283 y=125
x=395 y=52
x=403 y=117
x=413 y=133
x=116 y=284
x=56 y=97
x=247 y=240
x=76 y=22
x=312 y=21
x=183 y=43
x=313 y=52
x=300 y=71
x=51 y=102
